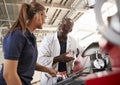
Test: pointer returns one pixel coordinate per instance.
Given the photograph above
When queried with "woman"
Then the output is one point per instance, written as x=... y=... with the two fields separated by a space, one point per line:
x=20 y=49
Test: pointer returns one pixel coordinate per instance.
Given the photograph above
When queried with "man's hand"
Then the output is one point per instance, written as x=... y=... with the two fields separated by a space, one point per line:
x=63 y=58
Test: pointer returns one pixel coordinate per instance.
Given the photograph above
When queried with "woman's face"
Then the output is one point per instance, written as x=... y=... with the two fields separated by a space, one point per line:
x=39 y=19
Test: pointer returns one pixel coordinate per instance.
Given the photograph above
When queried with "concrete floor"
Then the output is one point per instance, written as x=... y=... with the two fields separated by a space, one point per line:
x=36 y=78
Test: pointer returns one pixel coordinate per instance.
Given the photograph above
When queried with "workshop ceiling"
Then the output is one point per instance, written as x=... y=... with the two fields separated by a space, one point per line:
x=78 y=10
x=55 y=9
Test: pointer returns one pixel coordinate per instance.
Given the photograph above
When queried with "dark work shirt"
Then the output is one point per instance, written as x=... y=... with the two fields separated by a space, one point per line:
x=62 y=65
x=21 y=47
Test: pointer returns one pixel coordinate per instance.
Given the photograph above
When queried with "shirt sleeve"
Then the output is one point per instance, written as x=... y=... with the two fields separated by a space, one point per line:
x=13 y=44
x=44 y=54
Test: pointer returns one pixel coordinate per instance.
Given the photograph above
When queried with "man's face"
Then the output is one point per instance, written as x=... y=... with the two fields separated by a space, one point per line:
x=65 y=28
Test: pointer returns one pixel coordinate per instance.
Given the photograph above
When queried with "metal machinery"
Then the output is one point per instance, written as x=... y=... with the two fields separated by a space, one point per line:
x=99 y=62
x=111 y=33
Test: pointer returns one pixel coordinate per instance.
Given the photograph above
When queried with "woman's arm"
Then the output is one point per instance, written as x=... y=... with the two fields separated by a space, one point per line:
x=52 y=72
x=10 y=72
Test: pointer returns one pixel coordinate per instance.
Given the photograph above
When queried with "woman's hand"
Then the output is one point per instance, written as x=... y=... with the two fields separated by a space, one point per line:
x=42 y=68
x=52 y=72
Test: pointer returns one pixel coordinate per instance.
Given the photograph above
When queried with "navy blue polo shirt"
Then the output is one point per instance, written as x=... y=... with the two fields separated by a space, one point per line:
x=22 y=47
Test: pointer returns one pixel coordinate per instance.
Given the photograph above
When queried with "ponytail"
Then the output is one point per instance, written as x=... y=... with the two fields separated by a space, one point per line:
x=26 y=14
x=21 y=22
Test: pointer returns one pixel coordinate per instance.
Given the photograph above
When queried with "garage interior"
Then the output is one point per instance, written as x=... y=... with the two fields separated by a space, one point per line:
x=85 y=32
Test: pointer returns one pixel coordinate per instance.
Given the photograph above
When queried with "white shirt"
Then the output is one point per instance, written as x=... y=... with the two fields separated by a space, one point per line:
x=50 y=48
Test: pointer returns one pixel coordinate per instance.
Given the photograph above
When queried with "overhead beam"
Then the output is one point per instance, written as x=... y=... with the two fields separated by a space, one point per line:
x=57 y=6
x=7 y=12
x=54 y=15
x=53 y=5
x=63 y=2
x=7 y=20
x=77 y=16
x=47 y=5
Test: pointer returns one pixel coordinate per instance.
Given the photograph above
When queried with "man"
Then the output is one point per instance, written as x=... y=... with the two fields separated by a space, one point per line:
x=58 y=51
